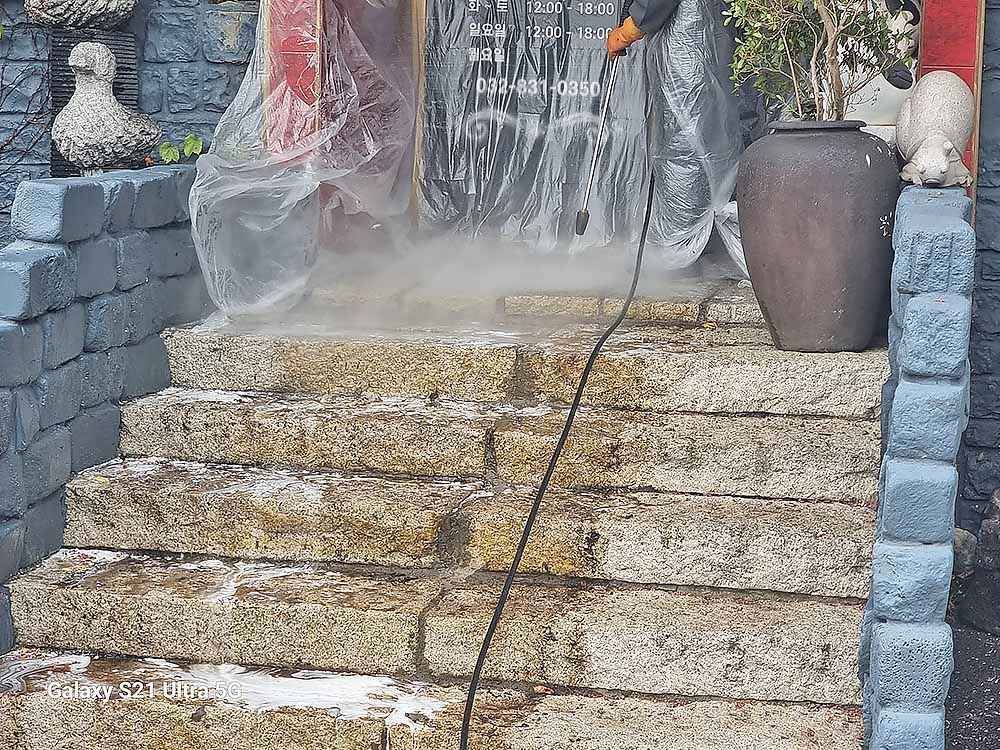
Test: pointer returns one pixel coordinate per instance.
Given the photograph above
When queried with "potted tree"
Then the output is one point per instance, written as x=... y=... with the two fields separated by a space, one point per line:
x=817 y=194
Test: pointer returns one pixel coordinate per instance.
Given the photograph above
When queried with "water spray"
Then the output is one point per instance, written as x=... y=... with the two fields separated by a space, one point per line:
x=582 y=220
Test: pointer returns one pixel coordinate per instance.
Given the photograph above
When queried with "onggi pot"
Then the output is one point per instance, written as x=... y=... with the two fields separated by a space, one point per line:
x=817 y=202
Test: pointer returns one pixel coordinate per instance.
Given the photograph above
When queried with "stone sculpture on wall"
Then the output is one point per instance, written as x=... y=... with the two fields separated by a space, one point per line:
x=77 y=14
x=94 y=131
x=934 y=128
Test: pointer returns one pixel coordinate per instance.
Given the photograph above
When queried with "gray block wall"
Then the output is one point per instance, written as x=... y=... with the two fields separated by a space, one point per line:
x=98 y=267
x=192 y=57
x=24 y=51
x=981 y=459
x=906 y=646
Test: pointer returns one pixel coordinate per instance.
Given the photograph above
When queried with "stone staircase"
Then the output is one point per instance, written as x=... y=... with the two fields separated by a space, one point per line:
x=332 y=510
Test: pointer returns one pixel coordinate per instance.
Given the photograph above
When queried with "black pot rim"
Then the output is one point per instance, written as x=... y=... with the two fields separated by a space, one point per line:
x=805 y=125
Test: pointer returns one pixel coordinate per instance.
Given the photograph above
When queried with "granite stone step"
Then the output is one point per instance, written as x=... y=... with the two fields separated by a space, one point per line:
x=721 y=370
x=758 y=456
x=641 y=537
x=56 y=699
x=640 y=639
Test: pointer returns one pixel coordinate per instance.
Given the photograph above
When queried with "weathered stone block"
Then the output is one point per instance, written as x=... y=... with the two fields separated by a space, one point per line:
x=28 y=144
x=135 y=252
x=63 y=210
x=21 y=351
x=220 y=89
x=6 y=622
x=95 y=379
x=47 y=463
x=173 y=251
x=119 y=200
x=97 y=262
x=27 y=416
x=927 y=420
x=25 y=85
x=918 y=503
x=935 y=252
x=155 y=196
x=228 y=36
x=6 y=418
x=147 y=368
x=143 y=311
x=911 y=582
x=105 y=322
x=11 y=548
x=183 y=175
x=95 y=436
x=150 y=91
x=64 y=332
x=35 y=278
x=186 y=298
x=44 y=525
x=116 y=373
x=911 y=665
x=172 y=36
x=897 y=730
x=13 y=501
x=58 y=392
x=936 y=335
x=184 y=86
x=922 y=201
x=24 y=42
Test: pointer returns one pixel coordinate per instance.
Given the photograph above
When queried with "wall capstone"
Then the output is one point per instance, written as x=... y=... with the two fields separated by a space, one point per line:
x=906 y=647
x=101 y=265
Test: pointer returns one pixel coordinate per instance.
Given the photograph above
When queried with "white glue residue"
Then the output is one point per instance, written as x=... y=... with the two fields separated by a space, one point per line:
x=14 y=673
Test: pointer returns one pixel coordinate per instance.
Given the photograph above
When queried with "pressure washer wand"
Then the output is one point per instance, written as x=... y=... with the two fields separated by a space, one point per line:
x=583 y=215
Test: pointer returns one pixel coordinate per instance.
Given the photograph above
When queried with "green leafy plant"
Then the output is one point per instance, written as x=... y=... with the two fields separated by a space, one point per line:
x=192 y=145
x=815 y=56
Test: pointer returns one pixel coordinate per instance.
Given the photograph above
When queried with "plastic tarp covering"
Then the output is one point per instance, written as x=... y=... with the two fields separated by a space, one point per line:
x=471 y=119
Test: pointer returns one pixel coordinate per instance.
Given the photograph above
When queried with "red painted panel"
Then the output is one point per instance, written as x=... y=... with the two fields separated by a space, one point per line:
x=950 y=33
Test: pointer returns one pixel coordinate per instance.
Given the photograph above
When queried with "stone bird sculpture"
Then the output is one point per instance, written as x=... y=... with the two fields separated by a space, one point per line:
x=934 y=129
x=94 y=131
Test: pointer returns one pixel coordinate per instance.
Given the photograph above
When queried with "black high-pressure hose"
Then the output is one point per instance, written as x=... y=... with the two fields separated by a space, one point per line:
x=477 y=674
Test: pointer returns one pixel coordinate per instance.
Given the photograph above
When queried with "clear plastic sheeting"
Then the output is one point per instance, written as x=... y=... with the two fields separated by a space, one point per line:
x=467 y=121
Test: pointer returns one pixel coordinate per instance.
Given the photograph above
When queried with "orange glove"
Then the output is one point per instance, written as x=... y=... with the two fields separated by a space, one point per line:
x=626 y=34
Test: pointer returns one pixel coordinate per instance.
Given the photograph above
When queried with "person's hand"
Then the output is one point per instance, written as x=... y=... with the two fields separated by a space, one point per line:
x=619 y=39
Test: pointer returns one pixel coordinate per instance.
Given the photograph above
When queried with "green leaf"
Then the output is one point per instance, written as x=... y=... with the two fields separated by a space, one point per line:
x=169 y=153
x=193 y=145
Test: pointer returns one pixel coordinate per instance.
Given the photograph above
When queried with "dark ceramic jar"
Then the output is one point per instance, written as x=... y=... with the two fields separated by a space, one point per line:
x=817 y=202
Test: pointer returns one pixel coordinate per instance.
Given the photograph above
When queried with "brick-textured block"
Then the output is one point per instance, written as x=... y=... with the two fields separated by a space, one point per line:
x=64 y=332
x=97 y=260
x=105 y=322
x=95 y=379
x=27 y=416
x=172 y=251
x=11 y=548
x=35 y=278
x=911 y=665
x=13 y=501
x=936 y=335
x=58 y=392
x=155 y=194
x=95 y=436
x=147 y=368
x=899 y=730
x=918 y=501
x=927 y=420
x=63 y=210
x=119 y=198
x=172 y=36
x=924 y=201
x=911 y=581
x=44 y=524
x=21 y=352
x=135 y=257
x=47 y=463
